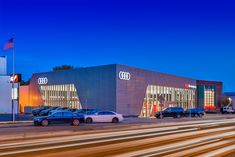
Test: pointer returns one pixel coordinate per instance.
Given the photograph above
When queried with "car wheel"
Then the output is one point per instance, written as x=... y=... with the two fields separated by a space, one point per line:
x=45 y=122
x=178 y=116
x=115 y=120
x=161 y=116
x=76 y=122
x=89 y=120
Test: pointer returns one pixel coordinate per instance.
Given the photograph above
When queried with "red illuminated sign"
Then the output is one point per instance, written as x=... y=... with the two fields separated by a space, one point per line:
x=186 y=85
x=16 y=78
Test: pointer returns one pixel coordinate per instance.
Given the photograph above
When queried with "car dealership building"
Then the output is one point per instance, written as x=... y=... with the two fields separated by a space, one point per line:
x=124 y=89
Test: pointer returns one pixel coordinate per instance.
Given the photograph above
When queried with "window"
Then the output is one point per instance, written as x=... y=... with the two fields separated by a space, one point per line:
x=67 y=114
x=105 y=113
x=168 y=110
x=209 y=97
x=101 y=113
x=109 y=113
x=159 y=97
x=57 y=114
x=64 y=95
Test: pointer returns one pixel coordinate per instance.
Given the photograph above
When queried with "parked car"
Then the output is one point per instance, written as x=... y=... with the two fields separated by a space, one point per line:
x=85 y=111
x=195 y=112
x=228 y=109
x=104 y=116
x=59 y=117
x=36 y=112
x=46 y=112
x=175 y=112
x=71 y=109
x=58 y=109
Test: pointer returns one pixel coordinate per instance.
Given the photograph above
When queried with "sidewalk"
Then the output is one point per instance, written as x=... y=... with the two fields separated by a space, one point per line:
x=8 y=124
x=18 y=117
x=24 y=123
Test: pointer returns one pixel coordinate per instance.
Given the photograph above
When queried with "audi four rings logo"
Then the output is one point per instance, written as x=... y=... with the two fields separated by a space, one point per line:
x=124 y=75
x=42 y=80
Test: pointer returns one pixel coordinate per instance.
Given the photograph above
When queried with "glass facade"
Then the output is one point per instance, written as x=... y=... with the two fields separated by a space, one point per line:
x=159 y=97
x=64 y=95
x=207 y=97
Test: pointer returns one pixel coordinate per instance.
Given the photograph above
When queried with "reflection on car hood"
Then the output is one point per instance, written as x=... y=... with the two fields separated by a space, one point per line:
x=39 y=118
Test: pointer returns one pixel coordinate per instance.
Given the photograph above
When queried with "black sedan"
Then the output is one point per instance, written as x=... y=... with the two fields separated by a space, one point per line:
x=175 y=112
x=58 y=118
x=46 y=112
x=36 y=112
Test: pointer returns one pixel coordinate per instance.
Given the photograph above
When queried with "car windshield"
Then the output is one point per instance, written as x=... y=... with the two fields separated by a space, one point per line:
x=164 y=109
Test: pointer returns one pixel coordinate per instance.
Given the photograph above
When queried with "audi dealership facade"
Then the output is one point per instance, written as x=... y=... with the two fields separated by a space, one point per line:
x=124 y=89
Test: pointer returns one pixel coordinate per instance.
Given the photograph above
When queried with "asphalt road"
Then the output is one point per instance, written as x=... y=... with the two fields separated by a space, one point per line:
x=192 y=138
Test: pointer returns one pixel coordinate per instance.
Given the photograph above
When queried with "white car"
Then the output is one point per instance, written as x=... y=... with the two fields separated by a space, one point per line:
x=228 y=109
x=104 y=116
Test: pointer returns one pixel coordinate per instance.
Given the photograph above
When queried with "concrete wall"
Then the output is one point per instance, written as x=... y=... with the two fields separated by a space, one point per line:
x=3 y=65
x=5 y=94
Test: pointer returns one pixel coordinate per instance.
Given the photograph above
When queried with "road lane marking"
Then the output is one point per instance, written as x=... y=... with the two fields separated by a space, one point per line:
x=156 y=150
x=219 y=152
x=193 y=151
x=86 y=143
x=102 y=135
x=161 y=138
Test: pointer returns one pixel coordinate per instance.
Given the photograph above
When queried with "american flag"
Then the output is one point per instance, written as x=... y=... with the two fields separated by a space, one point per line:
x=9 y=44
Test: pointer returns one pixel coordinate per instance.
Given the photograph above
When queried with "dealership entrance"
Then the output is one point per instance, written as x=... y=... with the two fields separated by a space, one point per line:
x=159 y=97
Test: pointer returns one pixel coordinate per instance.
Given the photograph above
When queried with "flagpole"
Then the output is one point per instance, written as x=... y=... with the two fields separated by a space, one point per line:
x=13 y=74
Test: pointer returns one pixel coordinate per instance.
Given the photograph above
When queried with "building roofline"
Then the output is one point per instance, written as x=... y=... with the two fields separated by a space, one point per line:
x=229 y=93
x=210 y=81
x=116 y=64
x=163 y=73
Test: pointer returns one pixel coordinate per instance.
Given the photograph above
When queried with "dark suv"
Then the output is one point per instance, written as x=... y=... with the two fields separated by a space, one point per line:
x=175 y=112
x=195 y=112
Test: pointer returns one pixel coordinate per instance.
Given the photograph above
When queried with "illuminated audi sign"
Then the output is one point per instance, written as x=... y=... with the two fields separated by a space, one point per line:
x=124 y=75
x=42 y=80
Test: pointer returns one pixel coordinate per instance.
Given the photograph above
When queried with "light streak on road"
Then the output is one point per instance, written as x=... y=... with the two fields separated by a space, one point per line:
x=184 y=139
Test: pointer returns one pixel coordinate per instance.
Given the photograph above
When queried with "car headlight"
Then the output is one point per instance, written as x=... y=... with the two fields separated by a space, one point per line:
x=36 y=119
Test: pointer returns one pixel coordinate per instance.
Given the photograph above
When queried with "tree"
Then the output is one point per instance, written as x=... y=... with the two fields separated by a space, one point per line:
x=63 y=67
x=23 y=82
x=227 y=101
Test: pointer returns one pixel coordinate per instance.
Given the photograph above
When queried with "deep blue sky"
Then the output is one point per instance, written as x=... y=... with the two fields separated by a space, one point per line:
x=192 y=38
